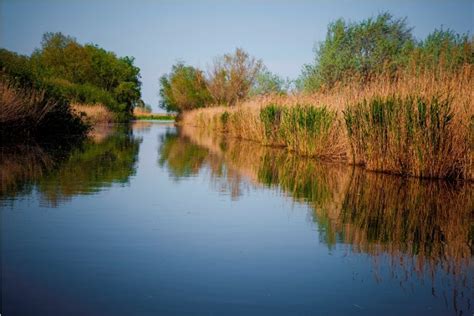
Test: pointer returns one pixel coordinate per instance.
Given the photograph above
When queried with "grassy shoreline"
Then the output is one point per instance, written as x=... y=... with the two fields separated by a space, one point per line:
x=418 y=126
x=155 y=117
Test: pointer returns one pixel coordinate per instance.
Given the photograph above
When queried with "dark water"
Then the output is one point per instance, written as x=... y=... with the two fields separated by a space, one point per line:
x=148 y=221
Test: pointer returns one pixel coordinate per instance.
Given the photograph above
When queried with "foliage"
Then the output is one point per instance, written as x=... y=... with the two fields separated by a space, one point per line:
x=29 y=107
x=409 y=136
x=309 y=130
x=443 y=50
x=156 y=117
x=362 y=49
x=381 y=45
x=85 y=66
x=232 y=76
x=183 y=89
x=182 y=158
x=143 y=107
x=267 y=82
x=78 y=73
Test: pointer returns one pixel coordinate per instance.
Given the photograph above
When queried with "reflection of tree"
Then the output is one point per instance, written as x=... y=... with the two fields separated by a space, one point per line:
x=20 y=166
x=92 y=167
x=423 y=228
x=182 y=157
x=59 y=175
x=185 y=158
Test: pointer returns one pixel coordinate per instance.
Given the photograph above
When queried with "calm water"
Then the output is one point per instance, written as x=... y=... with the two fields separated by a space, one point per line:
x=149 y=220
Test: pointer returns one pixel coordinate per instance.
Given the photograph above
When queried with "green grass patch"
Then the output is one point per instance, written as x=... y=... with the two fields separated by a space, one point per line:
x=413 y=136
x=156 y=117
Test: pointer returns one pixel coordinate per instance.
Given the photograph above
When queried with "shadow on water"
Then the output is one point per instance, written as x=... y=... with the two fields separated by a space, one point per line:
x=422 y=230
x=58 y=173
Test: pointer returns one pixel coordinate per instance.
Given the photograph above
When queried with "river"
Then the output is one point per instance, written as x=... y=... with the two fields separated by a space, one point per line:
x=150 y=219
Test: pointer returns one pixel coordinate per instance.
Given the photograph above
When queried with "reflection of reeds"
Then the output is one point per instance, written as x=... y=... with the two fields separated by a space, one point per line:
x=429 y=220
x=20 y=166
x=424 y=228
x=59 y=175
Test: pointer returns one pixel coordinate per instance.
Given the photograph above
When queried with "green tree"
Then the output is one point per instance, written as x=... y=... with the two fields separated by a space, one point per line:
x=88 y=73
x=232 y=76
x=444 y=49
x=183 y=89
x=267 y=82
x=361 y=50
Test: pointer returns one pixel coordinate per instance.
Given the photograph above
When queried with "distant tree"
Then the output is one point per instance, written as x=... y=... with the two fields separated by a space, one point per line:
x=143 y=107
x=88 y=73
x=360 y=49
x=183 y=89
x=267 y=83
x=232 y=76
x=444 y=49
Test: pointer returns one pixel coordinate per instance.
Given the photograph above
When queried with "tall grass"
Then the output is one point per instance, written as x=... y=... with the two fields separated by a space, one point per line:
x=412 y=136
x=26 y=112
x=93 y=113
x=414 y=125
x=307 y=129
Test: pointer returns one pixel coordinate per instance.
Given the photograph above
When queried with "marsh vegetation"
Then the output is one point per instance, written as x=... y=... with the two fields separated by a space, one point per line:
x=375 y=96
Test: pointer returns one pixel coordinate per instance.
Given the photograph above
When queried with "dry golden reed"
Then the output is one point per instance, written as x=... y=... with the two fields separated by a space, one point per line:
x=454 y=159
x=19 y=107
x=93 y=113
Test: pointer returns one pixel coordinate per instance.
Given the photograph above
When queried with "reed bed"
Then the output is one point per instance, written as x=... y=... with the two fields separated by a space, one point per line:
x=419 y=125
x=29 y=113
x=21 y=107
x=93 y=113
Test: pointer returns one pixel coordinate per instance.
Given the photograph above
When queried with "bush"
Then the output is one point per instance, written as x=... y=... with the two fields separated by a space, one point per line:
x=413 y=136
x=307 y=129
x=39 y=113
x=87 y=73
x=183 y=89
x=232 y=77
x=381 y=45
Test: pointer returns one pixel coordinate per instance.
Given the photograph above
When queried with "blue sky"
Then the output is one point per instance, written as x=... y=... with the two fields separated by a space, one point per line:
x=159 y=33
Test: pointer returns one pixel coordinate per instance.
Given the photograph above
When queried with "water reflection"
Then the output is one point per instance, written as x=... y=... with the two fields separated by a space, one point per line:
x=108 y=156
x=184 y=158
x=423 y=230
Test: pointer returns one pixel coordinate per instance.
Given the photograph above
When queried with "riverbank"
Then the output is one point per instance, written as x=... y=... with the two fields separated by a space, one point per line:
x=155 y=117
x=32 y=114
x=418 y=126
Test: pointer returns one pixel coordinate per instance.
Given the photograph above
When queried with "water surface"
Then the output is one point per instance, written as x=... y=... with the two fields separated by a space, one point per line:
x=151 y=220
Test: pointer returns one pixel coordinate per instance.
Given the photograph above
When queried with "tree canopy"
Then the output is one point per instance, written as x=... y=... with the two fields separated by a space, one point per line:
x=80 y=73
x=380 y=45
x=231 y=78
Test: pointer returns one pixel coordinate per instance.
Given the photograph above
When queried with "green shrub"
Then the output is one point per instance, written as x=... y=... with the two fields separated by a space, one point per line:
x=410 y=136
x=270 y=116
x=306 y=129
x=382 y=45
